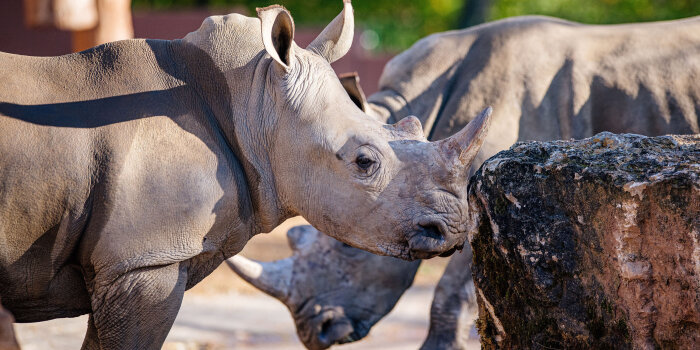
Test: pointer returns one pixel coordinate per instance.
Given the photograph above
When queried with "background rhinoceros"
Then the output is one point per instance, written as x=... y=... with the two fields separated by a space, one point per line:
x=131 y=170
x=548 y=79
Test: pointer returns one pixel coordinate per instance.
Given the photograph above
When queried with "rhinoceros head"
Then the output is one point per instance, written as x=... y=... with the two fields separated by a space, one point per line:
x=355 y=289
x=382 y=188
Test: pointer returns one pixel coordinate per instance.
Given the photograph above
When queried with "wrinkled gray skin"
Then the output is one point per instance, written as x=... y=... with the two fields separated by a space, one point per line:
x=130 y=171
x=547 y=79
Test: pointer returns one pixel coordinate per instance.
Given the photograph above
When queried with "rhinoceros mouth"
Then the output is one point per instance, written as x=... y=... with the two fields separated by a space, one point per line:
x=343 y=333
x=360 y=330
x=324 y=328
x=452 y=251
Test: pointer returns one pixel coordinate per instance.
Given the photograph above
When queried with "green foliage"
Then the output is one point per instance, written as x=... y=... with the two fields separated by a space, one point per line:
x=599 y=11
x=398 y=24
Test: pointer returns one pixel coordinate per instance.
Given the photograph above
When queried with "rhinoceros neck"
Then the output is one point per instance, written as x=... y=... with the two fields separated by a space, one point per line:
x=231 y=79
x=256 y=123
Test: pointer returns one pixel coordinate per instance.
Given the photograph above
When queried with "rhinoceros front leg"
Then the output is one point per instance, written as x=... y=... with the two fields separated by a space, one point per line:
x=137 y=310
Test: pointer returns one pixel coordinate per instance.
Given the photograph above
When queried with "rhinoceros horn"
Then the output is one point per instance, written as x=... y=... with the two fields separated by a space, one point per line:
x=335 y=40
x=464 y=145
x=273 y=278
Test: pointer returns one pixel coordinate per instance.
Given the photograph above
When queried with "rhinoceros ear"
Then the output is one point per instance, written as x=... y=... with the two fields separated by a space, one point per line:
x=351 y=83
x=335 y=40
x=277 y=33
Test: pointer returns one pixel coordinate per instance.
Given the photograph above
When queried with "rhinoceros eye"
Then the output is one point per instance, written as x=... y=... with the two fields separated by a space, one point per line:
x=364 y=162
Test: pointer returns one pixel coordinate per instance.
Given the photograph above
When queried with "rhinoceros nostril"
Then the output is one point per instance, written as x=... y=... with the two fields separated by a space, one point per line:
x=335 y=330
x=431 y=230
x=326 y=326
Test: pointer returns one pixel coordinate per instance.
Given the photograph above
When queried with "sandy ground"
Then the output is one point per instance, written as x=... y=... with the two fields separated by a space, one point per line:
x=224 y=312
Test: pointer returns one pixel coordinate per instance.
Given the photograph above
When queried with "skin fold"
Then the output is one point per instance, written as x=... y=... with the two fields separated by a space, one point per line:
x=547 y=79
x=130 y=171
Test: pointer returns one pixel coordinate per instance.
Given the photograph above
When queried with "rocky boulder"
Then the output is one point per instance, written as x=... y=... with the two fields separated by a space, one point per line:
x=7 y=334
x=589 y=244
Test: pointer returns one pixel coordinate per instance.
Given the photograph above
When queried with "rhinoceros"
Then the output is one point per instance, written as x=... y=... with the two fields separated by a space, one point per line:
x=128 y=172
x=547 y=79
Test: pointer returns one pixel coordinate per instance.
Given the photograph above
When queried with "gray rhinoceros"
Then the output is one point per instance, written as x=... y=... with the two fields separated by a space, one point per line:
x=128 y=172
x=547 y=79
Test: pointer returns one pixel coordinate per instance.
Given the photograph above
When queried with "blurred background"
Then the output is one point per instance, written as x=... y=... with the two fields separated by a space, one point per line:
x=384 y=27
x=223 y=312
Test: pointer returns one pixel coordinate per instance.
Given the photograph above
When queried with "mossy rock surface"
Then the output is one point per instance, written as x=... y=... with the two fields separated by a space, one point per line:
x=589 y=244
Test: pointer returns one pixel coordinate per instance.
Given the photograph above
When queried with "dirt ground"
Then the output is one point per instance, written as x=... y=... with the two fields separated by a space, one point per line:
x=224 y=312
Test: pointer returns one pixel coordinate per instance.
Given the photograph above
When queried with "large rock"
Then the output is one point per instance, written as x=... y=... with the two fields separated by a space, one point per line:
x=7 y=334
x=589 y=244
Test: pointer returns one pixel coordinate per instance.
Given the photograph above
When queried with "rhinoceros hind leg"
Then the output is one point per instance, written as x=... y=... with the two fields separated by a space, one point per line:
x=137 y=310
